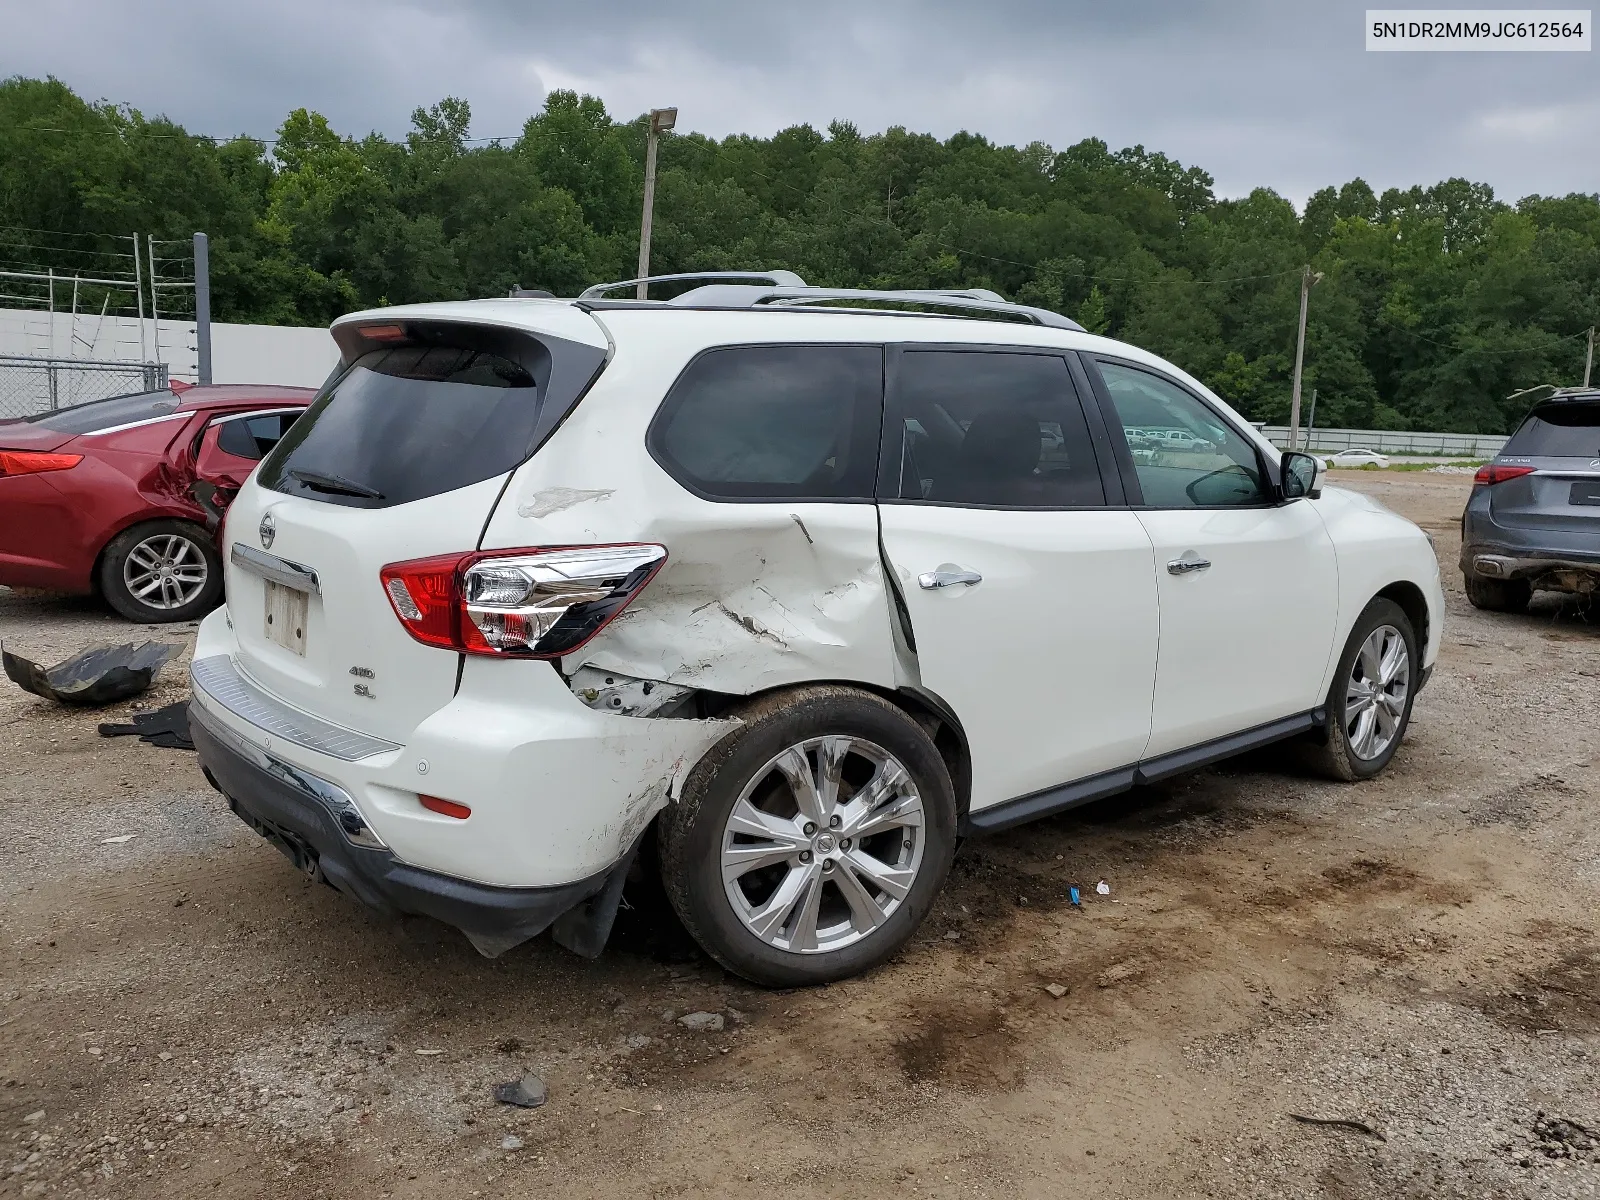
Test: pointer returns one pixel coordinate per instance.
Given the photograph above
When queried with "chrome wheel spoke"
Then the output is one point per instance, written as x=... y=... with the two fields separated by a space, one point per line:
x=830 y=768
x=767 y=922
x=1362 y=732
x=1393 y=662
x=795 y=767
x=866 y=914
x=894 y=882
x=1371 y=657
x=904 y=813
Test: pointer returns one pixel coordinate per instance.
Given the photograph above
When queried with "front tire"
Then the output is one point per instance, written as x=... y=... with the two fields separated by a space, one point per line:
x=810 y=843
x=161 y=571
x=1369 y=703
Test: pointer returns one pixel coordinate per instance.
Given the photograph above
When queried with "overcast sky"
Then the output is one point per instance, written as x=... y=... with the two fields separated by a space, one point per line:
x=1276 y=93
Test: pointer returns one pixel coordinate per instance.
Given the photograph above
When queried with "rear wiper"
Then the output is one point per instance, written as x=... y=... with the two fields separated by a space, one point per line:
x=332 y=483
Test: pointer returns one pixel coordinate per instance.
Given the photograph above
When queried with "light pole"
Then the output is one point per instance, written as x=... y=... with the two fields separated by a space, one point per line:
x=661 y=120
x=1308 y=280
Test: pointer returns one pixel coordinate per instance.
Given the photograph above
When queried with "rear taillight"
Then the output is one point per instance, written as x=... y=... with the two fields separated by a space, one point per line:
x=33 y=462
x=519 y=603
x=1492 y=473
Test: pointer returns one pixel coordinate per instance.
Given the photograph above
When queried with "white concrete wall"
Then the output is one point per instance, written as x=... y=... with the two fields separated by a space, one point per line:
x=239 y=353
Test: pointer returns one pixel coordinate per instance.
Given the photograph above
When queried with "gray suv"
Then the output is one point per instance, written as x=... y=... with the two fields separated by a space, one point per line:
x=1533 y=519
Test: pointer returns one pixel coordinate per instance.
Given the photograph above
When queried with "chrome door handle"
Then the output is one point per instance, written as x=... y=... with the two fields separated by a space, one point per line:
x=1187 y=565
x=947 y=576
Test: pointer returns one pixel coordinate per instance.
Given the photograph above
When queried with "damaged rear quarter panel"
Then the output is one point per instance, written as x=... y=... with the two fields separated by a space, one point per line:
x=753 y=595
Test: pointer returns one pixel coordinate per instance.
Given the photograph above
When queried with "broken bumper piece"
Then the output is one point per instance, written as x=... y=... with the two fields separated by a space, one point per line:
x=317 y=825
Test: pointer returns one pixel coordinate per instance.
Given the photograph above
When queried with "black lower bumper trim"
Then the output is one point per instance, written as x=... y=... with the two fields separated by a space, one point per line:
x=494 y=919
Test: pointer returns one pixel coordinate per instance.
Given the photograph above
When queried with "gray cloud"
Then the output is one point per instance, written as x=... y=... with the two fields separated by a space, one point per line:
x=1260 y=93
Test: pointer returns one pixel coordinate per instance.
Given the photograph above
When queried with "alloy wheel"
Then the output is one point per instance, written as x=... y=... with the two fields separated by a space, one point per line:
x=165 y=571
x=823 y=844
x=1376 y=691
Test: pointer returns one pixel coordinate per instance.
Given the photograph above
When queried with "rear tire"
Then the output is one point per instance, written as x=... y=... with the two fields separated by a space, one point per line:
x=809 y=843
x=1498 y=595
x=1369 y=703
x=161 y=571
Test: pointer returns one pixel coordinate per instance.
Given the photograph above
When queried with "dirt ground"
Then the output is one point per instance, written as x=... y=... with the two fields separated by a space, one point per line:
x=181 y=1015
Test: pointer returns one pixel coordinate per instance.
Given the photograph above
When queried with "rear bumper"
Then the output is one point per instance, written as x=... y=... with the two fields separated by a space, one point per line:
x=1554 y=570
x=317 y=825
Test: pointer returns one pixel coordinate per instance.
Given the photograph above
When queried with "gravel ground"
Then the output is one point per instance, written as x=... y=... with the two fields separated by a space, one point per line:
x=182 y=1015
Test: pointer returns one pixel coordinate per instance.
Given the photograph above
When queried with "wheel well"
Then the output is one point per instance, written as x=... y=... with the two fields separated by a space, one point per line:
x=1412 y=602
x=931 y=713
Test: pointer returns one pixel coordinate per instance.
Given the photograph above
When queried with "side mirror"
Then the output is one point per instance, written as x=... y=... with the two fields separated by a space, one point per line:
x=1300 y=475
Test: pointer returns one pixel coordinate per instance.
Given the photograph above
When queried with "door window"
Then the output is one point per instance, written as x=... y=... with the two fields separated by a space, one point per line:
x=254 y=437
x=774 y=422
x=1184 y=454
x=992 y=429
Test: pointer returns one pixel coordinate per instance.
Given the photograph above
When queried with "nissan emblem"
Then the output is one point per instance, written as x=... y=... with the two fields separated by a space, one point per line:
x=268 y=529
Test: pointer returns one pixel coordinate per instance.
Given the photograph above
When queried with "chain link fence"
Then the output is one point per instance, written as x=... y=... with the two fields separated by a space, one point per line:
x=29 y=386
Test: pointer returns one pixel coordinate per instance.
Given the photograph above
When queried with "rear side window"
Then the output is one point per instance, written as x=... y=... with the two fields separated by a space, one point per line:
x=254 y=437
x=98 y=415
x=1560 y=431
x=774 y=422
x=452 y=406
x=992 y=429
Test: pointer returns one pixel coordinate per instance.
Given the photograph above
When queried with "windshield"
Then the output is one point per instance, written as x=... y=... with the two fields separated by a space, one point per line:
x=1560 y=431
x=107 y=414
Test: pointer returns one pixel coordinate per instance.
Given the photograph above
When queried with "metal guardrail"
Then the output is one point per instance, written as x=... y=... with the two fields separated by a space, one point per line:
x=30 y=386
x=1463 y=445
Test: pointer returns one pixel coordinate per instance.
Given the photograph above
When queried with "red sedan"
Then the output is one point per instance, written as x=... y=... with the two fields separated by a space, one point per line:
x=125 y=496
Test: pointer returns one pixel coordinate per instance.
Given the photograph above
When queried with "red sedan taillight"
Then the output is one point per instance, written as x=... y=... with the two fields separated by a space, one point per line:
x=33 y=462
x=534 y=603
x=1493 y=473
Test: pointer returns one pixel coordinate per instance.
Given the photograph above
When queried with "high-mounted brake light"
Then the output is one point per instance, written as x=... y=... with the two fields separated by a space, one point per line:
x=34 y=462
x=383 y=333
x=533 y=603
x=1492 y=473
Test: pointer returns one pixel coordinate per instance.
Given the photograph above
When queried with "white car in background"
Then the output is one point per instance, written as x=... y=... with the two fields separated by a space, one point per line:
x=782 y=593
x=1357 y=458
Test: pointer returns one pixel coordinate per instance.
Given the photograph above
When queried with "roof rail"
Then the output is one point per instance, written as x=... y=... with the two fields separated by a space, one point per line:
x=713 y=296
x=775 y=278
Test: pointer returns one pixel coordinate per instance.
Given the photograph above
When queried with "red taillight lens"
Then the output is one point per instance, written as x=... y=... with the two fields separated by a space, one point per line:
x=424 y=595
x=1492 y=473
x=534 y=603
x=33 y=462
x=446 y=808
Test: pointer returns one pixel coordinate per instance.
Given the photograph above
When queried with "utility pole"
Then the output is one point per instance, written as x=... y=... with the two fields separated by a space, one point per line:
x=661 y=120
x=1588 y=359
x=202 y=307
x=1308 y=280
x=1311 y=420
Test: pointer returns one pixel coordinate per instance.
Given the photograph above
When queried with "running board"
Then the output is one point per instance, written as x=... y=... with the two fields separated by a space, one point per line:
x=1109 y=783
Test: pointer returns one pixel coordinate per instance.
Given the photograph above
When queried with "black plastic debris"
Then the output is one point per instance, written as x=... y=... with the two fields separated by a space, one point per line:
x=165 y=727
x=527 y=1092
x=104 y=675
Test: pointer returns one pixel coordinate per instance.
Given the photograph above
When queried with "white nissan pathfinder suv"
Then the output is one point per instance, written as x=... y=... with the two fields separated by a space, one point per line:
x=798 y=583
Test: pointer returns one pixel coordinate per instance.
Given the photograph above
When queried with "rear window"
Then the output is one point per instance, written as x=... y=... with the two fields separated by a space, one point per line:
x=774 y=422
x=254 y=437
x=1561 y=431
x=98 y=415
x=451 y=407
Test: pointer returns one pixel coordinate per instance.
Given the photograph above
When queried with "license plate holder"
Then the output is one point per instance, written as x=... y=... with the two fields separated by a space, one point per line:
x=1586 y=491
x=285 y=621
